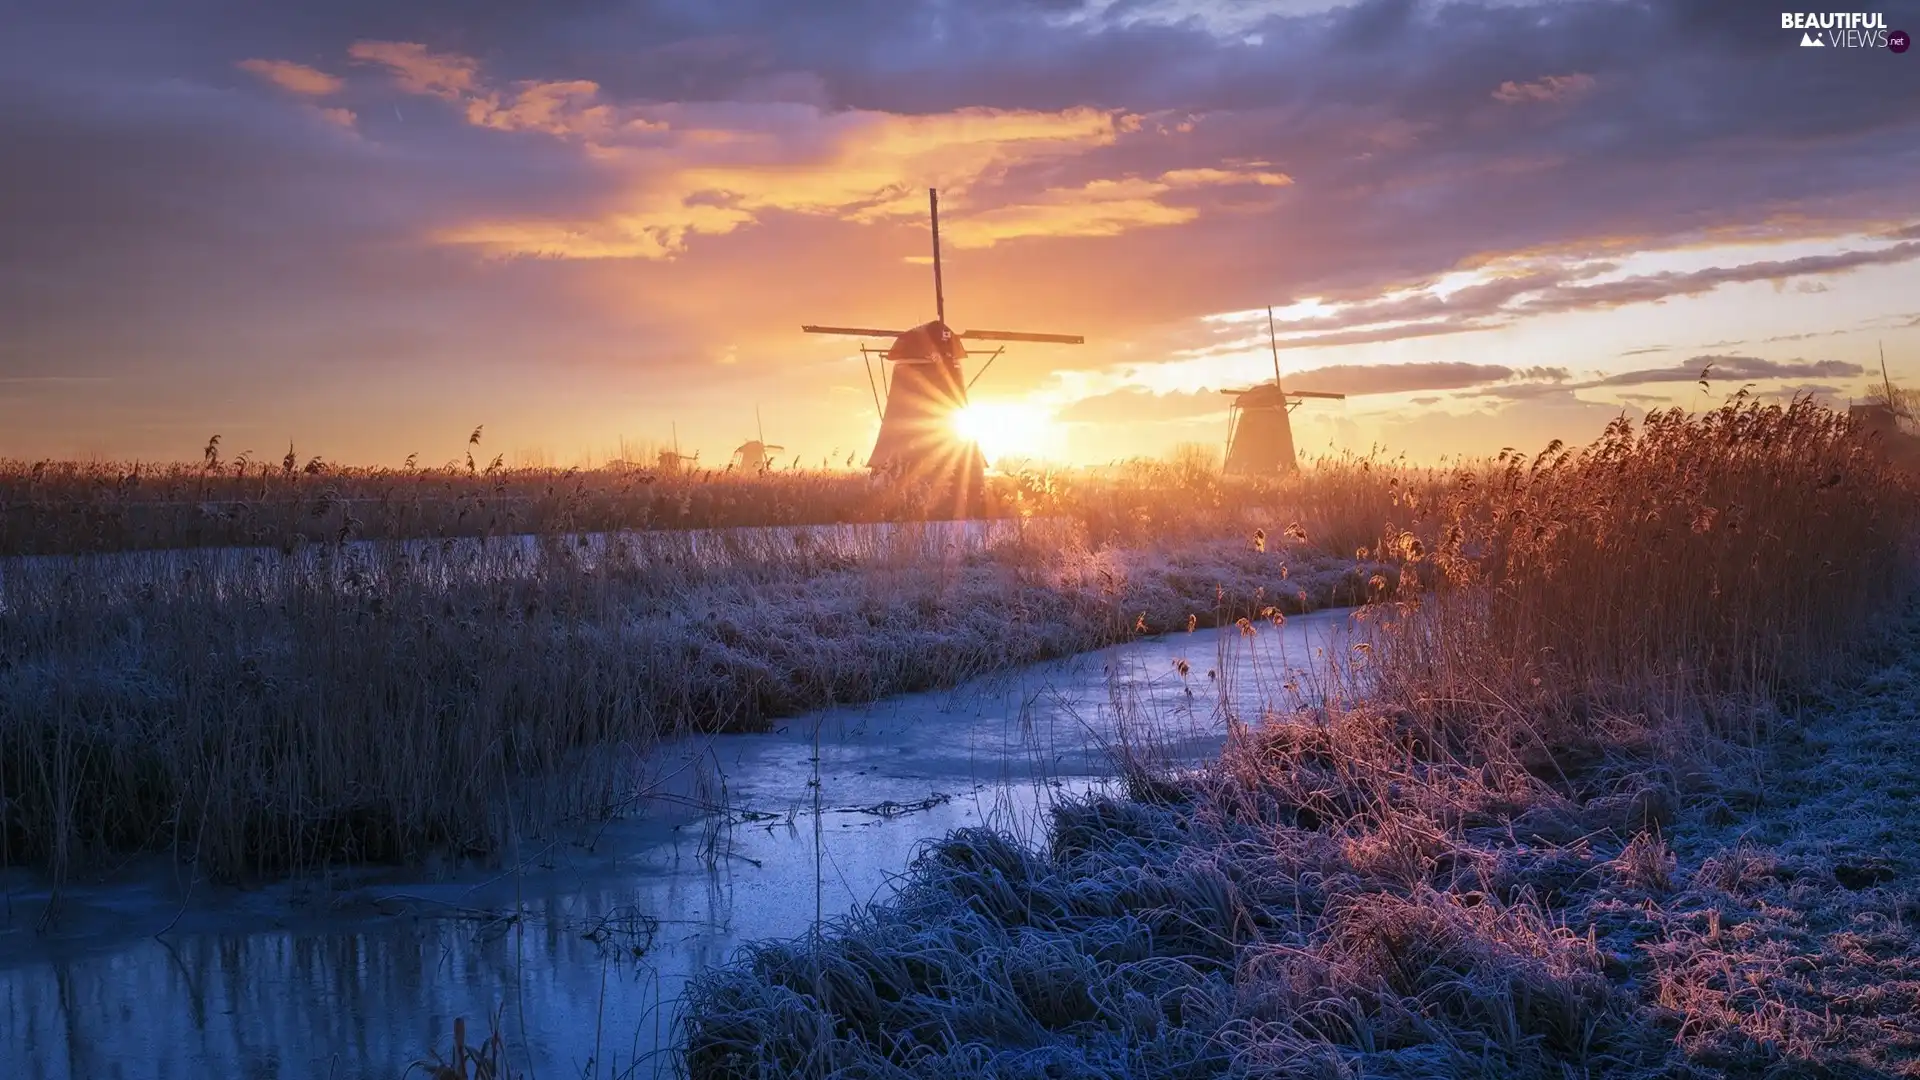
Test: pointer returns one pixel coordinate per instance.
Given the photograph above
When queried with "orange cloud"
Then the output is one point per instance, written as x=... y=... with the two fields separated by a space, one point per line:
x=711 y=168
x=567 y=108
x=1101 y=207
x=1203 y=177
x=557 y=108
x=448 y=76
x=297 y=78
x=863 y=166
x=1551 y=88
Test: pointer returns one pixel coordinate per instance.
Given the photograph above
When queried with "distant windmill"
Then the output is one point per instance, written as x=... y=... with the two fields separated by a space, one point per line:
x=673 y=461
x=1259 y=424
x=756 y=455
x=918 y=437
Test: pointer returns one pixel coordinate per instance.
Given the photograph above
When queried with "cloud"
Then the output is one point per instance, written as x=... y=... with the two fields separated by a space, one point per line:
x=1814 y=390
x=800 y=158
x=1508 y=296
x=1102 y=207
x=1549 y=89
x=417 y=69
x=1133 y=405
x=740 y=169
x=1530 y=390
x=1138 y=405
x=1730 y=369
x=1650 y=287
x=566 y=108
x=1357 y=379
x=296 y=78
x=863 y=167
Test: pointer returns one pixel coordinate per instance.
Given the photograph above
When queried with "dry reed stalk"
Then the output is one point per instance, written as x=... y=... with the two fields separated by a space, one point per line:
x=1451 y=868
x=379 y=701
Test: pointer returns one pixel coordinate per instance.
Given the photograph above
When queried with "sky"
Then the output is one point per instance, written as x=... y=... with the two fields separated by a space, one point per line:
x=595 y=226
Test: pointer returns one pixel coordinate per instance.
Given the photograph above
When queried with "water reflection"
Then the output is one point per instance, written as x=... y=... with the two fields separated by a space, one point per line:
x=582 y=947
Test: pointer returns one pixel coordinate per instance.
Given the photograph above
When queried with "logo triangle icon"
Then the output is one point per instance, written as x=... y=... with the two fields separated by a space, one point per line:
x=1809 y=41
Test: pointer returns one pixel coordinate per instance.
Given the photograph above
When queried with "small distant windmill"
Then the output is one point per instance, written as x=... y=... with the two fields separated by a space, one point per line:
x=918 y=438
x=756 y=455
x=1260 y=425
x=673 y=461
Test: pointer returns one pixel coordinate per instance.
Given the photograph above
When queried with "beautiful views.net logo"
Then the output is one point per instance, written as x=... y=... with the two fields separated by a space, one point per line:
x=1845 y=30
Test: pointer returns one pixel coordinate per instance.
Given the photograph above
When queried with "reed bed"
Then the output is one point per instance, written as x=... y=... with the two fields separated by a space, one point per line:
x=259 y=713
x=71 y=508
x=1507 y=846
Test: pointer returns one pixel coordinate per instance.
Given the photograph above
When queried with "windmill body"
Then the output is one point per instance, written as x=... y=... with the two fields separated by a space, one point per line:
x=929 y=388
x=920 y=440
x=1260 y=434
x=756 y=454
x=1260 y=423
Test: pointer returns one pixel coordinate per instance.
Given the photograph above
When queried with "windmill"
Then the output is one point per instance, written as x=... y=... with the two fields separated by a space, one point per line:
x=673 y=461
x=918 y=438
x=1259 y=424
x=755 y=455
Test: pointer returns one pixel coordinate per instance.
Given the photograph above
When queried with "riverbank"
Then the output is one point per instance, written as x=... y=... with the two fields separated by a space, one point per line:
x=580 y=939
x=1357 y=891
x=389 y=702
x=1584 y=808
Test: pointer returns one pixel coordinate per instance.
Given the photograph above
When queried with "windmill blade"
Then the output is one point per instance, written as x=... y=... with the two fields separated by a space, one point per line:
x=851 y=331
x=774 y=449
x=1316 y=394
x=1015 y=335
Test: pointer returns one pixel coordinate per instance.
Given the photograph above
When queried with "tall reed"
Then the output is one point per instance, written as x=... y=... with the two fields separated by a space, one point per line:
x=260 y=713
x=55 y=508
x=1460 y=864
x=1738 y=552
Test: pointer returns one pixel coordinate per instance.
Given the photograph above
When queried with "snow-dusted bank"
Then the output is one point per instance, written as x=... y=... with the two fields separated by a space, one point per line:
x=262 y=570
x=581 y=941
x=1619 y=799
x=1372 y=890
x=382 y=702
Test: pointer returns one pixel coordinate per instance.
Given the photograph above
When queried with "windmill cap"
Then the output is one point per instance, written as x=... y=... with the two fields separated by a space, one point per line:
x=1257 y=396
x=929 y=341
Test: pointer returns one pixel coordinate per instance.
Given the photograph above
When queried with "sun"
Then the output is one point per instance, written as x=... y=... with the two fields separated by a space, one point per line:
x=1004 y=429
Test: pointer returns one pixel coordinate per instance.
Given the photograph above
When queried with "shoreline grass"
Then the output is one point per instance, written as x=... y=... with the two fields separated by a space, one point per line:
x=75 y=508
x=379 y=704
x=1507 y=857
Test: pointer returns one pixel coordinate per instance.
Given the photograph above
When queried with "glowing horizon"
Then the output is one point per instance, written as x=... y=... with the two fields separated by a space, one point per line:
x=370 y=238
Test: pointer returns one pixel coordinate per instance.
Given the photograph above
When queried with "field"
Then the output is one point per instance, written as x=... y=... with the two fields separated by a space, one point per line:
x=1625 y=794
x=1617 y=782
x=307 y=702
x=73 y=508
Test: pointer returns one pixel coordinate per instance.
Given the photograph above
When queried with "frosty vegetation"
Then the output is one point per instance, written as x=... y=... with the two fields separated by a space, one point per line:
x=1630 y=794
x=379 y=700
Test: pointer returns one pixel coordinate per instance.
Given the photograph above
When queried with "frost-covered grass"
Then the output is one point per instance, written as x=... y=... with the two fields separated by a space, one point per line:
x=1793 y=942
x=377 y=704
x=1601 y=811
x=69 y=508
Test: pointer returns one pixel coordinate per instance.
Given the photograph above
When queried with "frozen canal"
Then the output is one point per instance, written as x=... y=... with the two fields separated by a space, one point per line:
x=582 y=943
